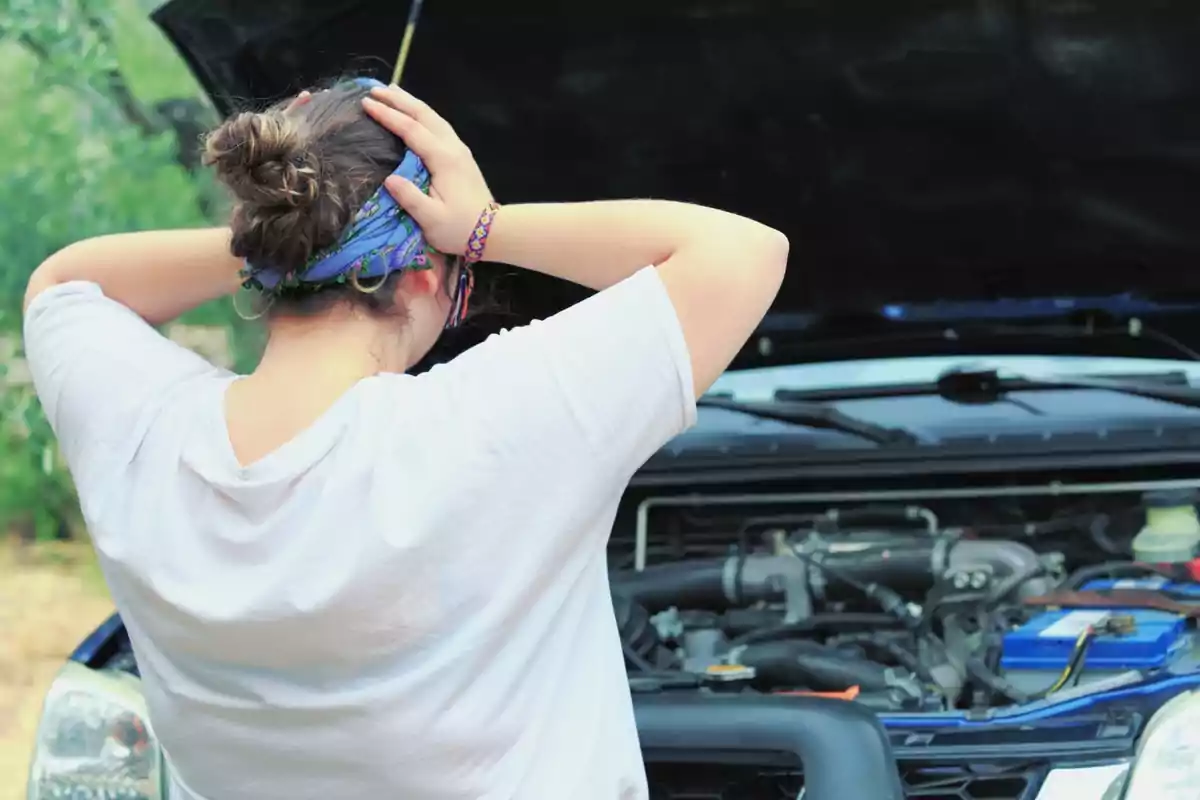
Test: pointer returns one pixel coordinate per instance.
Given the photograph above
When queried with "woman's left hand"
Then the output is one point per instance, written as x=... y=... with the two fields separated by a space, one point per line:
x=458 y=193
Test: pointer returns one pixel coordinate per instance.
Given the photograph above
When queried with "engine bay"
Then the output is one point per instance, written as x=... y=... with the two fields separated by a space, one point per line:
x=954 y=600
x=975 y=639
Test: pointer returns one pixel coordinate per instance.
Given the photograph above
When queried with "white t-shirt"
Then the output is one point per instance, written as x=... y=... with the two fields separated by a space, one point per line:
x=409 y=599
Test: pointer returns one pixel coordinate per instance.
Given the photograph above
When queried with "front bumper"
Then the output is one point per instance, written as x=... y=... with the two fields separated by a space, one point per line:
x=932 y=782
x=726 y=748
x=721 y=748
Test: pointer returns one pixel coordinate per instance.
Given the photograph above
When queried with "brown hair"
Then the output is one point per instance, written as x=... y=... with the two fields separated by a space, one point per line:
x=297 y=177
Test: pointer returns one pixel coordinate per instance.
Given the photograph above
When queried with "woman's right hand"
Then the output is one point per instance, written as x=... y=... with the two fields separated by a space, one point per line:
x=458 y=194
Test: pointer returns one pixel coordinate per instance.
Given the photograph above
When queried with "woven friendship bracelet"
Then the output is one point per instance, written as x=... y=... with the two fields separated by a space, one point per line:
x=479 y=236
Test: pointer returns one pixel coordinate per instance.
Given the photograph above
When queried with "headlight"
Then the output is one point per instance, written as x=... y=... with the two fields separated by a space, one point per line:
x=94 y=740
x=1167 y=766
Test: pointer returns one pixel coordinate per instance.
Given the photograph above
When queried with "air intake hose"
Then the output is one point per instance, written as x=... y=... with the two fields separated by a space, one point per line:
x=684 y=584
x=812 y=665
x=842 y=746
x=717 y=584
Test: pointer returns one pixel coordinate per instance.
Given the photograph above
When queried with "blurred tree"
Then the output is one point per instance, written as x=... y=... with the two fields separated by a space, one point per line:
x=37 y=499
x=102 y=126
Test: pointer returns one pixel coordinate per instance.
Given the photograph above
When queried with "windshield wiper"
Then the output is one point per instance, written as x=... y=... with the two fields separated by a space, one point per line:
x=990 y=386
x=813 y=415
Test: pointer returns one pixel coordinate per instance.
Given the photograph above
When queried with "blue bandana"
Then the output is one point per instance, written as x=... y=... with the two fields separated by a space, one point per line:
x=380 y=240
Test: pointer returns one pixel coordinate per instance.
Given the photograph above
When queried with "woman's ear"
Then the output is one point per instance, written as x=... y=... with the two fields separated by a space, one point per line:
x=419 y=281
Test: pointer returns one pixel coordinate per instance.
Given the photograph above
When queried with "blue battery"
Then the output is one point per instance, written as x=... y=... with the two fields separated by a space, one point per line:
x=1047 y=641
x=1183 y=591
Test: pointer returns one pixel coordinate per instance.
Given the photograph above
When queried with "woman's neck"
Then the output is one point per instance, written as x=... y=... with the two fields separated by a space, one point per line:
x=337 y=351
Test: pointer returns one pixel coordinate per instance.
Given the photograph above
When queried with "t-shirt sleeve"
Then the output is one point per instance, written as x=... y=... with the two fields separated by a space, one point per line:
x=98 y=368
x=583 y=397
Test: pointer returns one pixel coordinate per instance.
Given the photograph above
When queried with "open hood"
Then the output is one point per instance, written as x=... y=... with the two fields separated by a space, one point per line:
x=914 y=151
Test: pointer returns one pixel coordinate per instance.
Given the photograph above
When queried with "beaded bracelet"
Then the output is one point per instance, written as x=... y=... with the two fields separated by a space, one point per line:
x=479 y=236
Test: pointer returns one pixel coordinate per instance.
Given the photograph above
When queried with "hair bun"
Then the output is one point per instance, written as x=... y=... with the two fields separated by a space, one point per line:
x=298 y=174
x=264 y=160
x=283 y=211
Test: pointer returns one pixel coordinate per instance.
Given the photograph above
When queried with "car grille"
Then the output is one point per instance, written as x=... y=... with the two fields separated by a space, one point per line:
x=961 y=783
x=722 y=782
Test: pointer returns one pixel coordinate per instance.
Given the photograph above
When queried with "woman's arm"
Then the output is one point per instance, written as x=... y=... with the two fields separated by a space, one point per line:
x=602 y=243
x=158 y=274
x=721 y=271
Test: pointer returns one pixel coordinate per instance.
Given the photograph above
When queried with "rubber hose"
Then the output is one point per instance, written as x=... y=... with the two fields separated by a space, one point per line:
x=637 y=633
x=700 y=584
x=843 y=748
x=695 y=584
x=740 y=621
x=817 y=623
x=900 y=568
x=906 y=658
x=813 y=666
x=979 y=671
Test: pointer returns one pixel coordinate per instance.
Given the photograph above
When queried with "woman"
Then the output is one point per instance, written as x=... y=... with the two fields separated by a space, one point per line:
x=342 y=581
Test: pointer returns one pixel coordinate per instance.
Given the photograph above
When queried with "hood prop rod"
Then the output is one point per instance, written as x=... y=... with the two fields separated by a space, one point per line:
x=410 y=30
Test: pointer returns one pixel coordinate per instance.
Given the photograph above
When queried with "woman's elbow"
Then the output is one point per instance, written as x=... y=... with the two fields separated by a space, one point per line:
x=47 y=275
x=768 y=252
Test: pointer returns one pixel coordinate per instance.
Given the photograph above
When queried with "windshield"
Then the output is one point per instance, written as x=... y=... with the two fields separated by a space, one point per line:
x=761 y=384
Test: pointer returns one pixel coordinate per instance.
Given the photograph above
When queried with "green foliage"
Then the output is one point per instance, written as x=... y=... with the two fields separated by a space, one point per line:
x=86 y=153
x=82 y=158
x=37 y=499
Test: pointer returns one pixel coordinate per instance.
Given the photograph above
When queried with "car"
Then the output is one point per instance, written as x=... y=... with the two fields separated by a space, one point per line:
x=934 y=534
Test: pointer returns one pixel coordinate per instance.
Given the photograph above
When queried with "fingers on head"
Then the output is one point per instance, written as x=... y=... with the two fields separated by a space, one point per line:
x=409 y=196
x=435 y=151
x=418 y=109
x=298 y=101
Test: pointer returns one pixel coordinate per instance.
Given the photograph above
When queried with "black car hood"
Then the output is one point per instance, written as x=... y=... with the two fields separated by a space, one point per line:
x=913 y=150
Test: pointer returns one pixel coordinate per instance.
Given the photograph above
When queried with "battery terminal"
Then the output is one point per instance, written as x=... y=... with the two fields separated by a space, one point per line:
x=1117 y=625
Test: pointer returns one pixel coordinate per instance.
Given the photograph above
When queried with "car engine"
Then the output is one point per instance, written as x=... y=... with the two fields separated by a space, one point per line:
x=936 y=601
x=925 y=643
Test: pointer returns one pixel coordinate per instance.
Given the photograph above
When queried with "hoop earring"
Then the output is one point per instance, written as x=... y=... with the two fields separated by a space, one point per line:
x=252 y=317
x=353 y=281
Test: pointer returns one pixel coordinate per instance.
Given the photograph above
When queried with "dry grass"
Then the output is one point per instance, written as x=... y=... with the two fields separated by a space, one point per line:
x=50 y=598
